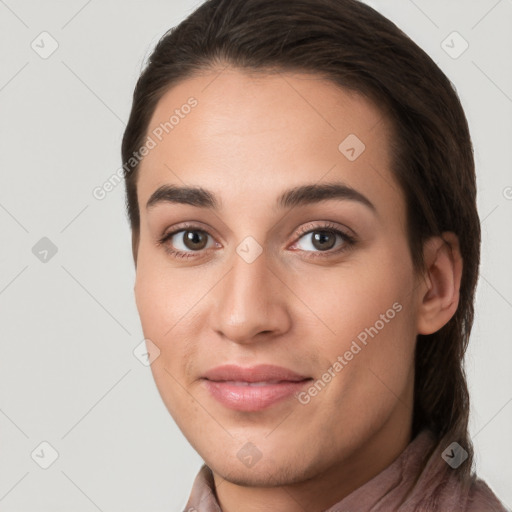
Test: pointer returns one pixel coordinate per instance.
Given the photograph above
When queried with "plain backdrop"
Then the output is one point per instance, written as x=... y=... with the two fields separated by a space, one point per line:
x=68 y=376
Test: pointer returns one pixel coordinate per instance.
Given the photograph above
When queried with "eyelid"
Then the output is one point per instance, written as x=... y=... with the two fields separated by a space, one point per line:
x=348 y=240
x=325 y=225
x=184 y=226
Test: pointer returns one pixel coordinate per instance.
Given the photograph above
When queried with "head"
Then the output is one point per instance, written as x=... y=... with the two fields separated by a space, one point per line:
x=268 y=96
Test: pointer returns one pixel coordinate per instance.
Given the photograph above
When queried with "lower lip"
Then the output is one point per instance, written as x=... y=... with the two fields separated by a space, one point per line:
x=252 y=398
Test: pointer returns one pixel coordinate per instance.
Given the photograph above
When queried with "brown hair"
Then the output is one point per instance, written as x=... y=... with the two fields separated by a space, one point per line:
x=355 y=47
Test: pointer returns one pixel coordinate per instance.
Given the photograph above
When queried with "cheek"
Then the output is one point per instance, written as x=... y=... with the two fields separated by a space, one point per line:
x=168 y=304
x=152 y=302
x=351 y=297
x=162 y=304
x=163 y=297
x=367 y=317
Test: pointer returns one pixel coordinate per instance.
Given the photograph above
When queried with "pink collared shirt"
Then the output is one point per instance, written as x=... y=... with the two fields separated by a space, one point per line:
x=418 y=480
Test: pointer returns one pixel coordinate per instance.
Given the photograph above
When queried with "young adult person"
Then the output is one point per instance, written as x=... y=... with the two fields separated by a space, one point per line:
x=301 y=192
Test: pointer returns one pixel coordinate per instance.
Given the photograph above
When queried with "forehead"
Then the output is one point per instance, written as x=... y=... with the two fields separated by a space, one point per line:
x=232 y=132
x=238 y=103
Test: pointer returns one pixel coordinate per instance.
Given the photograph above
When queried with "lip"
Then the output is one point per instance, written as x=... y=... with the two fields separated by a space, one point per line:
x=252 y=388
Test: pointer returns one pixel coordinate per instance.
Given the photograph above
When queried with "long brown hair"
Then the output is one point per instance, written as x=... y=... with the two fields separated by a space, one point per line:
x=355 y=47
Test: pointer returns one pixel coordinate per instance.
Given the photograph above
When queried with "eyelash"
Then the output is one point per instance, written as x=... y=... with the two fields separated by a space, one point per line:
x=348 y=240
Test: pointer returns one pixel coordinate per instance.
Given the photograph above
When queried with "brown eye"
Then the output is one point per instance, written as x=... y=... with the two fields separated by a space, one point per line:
x=320 y=240
x=186 y=242
x=323 y=240
x=194 y=240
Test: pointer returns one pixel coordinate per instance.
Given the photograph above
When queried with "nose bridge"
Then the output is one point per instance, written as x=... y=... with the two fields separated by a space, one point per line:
x=250 y=301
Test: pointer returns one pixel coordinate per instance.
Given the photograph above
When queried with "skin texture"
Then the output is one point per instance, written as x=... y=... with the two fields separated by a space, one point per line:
x=248 y=139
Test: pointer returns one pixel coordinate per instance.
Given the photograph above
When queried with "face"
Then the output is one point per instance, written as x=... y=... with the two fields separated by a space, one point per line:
x=285 y=321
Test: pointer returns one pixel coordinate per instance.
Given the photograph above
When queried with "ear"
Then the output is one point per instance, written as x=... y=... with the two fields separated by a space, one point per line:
x=439 y=296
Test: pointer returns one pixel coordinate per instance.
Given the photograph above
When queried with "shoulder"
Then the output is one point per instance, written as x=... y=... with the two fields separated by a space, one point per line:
x=482 y=499
x=439 y=487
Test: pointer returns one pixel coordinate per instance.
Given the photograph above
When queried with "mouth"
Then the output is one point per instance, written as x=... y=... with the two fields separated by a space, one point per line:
x=253 y=388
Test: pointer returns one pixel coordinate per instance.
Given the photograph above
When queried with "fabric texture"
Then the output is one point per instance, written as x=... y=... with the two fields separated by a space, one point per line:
x=418 y=480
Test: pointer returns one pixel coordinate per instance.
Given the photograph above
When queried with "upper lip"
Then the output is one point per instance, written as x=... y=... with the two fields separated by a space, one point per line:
x=259 y=373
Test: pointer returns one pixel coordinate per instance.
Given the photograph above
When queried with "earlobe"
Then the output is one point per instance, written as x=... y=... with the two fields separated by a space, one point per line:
x=440 y=294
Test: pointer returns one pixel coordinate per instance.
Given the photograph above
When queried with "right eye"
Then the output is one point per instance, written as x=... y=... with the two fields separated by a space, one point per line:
x=184 y=243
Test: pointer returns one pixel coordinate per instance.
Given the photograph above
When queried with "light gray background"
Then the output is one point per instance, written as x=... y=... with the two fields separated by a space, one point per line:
x=68 y=326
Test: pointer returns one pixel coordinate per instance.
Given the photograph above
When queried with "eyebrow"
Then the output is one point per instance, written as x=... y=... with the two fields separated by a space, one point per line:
x=297 y=196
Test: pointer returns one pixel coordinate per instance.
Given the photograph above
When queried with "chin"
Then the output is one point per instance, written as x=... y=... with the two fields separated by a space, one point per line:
x=250 y=477
x=264 y=473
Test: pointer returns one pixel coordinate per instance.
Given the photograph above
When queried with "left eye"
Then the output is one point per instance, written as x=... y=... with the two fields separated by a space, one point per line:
x=320 y=240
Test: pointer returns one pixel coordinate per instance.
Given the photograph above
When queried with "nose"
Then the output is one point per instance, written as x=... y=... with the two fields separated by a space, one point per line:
x=250 y=303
